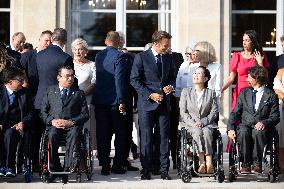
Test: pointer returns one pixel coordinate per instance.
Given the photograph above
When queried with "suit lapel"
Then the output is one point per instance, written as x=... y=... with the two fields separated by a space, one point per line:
x=204 y=102
x=194 y=102
x=57 y=95
x=69 y=96
x=249 y=101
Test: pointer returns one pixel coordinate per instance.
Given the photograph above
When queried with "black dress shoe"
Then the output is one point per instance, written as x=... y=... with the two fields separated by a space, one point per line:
x=105 y=170
x=165 y=176
x=132 y=168
x=118 y=169
x=51 y=178
x=146 y=175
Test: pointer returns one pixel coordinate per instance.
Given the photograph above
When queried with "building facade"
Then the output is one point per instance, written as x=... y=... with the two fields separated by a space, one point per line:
x=221 y=22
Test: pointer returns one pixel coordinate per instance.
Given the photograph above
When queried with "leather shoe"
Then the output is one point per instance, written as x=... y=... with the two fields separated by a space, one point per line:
x=105 y=170
x=165 y=176
x=146 y=175
x=256 y=169
x=245 y=170
x=51 y=178
x=116 y=169
x=132 y=168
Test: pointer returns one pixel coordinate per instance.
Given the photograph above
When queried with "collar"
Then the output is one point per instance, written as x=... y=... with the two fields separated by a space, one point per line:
x=154 y=52
x=9 y=90
x=260 y=89
x=12 y=47
x=57 y=45
x=61 y=88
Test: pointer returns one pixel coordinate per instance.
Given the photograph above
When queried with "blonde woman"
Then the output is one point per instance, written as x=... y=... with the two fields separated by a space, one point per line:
x=85 y=72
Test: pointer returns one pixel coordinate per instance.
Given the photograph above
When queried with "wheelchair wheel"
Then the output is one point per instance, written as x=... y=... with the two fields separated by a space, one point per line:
x=220 y=176
x=271 y=177
x=78 y=178
x=186 y=176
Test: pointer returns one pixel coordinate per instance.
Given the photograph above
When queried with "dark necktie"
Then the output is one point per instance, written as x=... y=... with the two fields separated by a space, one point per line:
x=159 y=63
x=254 y=98
x=64 y=94
x=11 y=98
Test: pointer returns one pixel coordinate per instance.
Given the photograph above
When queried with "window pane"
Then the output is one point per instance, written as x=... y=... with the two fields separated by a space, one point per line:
x=92 y=27
x=140 y=28
x=5 y=27
x=254 y=4
x=141 y=5
x=263 y=24
x=93 y=4
x=5 y=4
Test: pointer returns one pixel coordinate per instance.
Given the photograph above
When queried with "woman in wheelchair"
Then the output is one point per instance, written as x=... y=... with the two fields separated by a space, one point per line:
x=198 y=111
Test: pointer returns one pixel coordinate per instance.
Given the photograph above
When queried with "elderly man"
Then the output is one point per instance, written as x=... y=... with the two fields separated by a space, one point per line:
x=64 y=111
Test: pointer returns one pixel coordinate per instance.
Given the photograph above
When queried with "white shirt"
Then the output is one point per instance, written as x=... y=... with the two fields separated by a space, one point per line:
x=184 y=77
x=215 y=82
x=258 y=95
x=199 y=98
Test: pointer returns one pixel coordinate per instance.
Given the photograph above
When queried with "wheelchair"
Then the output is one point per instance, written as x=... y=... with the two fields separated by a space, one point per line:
x=187 y=159
x=269 y=159
x=86 y=160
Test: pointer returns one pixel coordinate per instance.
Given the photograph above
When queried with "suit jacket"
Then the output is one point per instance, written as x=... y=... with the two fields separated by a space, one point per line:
x=25 y=105
x=112 y=77
x=267 y=112
x=28 y=62
x=48 y=62
x=74 y=107
x=16 y=55
x=177 y=60
x=189 y=112
x=146 y=79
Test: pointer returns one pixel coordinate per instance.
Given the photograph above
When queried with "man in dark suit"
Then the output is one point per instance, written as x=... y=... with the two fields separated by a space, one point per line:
x=153 y=78
x=29 y=64
x=49 y=61
x=257 y=114
x=109 y=99
x=64 y=111
x=15 y=118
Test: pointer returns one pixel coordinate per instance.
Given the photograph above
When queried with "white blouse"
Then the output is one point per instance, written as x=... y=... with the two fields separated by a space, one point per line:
x=86 y=74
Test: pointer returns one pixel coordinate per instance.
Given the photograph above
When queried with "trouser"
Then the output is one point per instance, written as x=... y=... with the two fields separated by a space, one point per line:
x=72 y=146
x=252 y=144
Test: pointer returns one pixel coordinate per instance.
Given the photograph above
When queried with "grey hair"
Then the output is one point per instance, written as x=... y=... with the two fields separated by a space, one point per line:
x=80 y=41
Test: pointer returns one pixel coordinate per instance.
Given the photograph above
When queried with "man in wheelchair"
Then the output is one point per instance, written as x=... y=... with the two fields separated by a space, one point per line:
x=253 y=119
x=15 y=118
x=198 y=111
x=64 y=111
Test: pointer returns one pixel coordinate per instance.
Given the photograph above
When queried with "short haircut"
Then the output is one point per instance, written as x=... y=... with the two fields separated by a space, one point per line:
x=64 y=68
x=59 y=34
x=28 y=46
x=46 y=32
x=80 y=41
x=18 y=34
x=159 y=35
x=206 y=74
x=282 y=38
x=113 y=36
x=11 y=73
x=208 y=53
x=259 y=73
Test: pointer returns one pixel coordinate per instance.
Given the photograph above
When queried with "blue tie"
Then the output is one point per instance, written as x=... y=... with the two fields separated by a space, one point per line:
x=11 y=98
x=159 y=63
x=64 y=93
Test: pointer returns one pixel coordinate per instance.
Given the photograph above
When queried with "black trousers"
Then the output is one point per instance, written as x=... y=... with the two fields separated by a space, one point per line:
x=72 y=137
x=174 y=121
x=252 y=144
x=109 y=121
x=9 y=139
x=158 y=118
x=129 y=128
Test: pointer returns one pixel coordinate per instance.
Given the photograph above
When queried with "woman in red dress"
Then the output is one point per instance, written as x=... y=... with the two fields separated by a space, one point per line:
x=251 y=55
